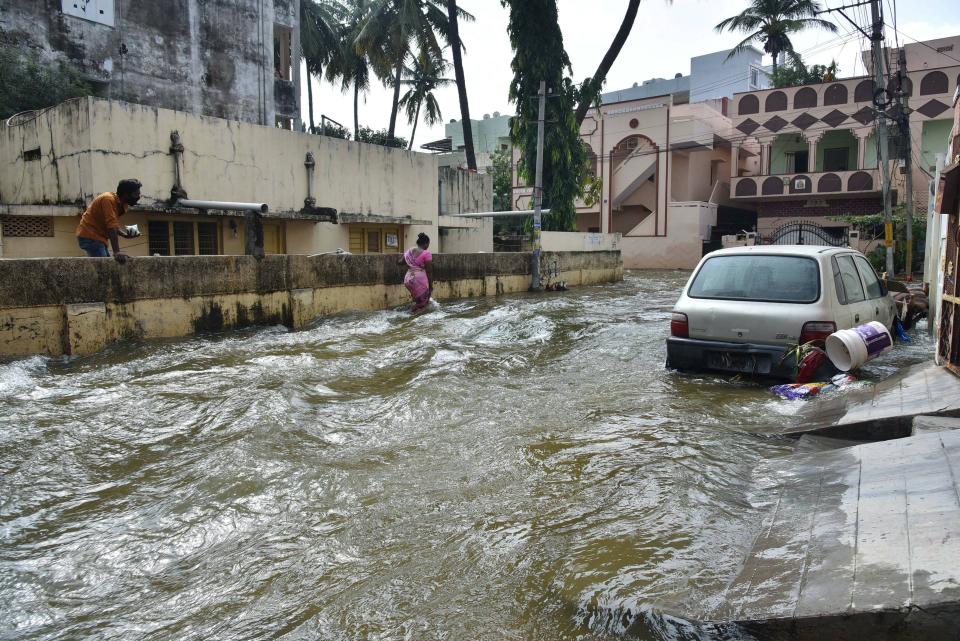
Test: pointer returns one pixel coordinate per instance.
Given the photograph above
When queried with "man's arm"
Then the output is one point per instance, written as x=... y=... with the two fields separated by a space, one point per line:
x=115 y=243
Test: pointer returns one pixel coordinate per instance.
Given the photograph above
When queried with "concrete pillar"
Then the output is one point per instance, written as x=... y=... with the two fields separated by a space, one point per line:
x=86 y=328
x=862 y=135
x=812 y=152
x=734 y=160
x=765 y=149
x=302 y=307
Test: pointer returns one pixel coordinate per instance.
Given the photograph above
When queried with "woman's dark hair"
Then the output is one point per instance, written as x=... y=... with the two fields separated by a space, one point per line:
x=128 y=186
x=423 y=240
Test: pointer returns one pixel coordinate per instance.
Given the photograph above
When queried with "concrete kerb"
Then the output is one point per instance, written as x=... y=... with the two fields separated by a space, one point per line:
x=77 y=306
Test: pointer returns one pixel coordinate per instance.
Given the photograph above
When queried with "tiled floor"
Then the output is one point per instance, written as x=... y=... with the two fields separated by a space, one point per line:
x=870 y=528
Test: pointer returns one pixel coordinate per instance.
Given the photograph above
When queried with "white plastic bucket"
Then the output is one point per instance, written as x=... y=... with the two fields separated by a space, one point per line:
x=850 y=348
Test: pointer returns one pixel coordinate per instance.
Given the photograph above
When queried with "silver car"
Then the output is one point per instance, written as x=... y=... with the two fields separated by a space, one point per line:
x=745 y=309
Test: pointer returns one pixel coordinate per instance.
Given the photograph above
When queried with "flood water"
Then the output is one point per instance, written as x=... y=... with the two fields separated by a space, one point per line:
x=512 y=468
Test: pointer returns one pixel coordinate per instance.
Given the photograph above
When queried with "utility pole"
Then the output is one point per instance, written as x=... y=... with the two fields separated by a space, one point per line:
x=903 y=114
x=536 y=285
x=876 y=40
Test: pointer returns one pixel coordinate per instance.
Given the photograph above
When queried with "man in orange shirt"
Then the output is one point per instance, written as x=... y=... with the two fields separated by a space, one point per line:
x=100 y=223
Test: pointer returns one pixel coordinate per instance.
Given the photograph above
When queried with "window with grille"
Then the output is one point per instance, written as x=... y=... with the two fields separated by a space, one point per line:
x=158 y=237
x=373 y=242
x=207 y=239
x=183 y=239
x=27 y=226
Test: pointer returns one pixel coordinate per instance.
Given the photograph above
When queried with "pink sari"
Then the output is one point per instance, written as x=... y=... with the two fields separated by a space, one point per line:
x=416 y=279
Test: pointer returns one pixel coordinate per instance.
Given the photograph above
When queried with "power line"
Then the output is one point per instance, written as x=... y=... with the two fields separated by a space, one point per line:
x=919 y=42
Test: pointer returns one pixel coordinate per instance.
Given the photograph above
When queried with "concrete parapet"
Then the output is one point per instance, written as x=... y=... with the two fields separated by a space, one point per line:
x=77 y=306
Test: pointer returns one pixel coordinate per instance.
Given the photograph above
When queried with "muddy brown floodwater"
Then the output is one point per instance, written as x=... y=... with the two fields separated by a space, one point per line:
x=512 y=468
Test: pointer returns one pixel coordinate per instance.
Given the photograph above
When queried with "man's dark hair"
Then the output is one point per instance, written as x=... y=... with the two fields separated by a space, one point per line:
x=128 y=186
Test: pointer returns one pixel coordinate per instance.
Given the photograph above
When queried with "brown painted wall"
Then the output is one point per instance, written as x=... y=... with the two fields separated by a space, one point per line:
x=838 y=207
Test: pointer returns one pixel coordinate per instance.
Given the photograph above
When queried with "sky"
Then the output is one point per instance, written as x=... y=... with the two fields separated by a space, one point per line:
x=665 y=36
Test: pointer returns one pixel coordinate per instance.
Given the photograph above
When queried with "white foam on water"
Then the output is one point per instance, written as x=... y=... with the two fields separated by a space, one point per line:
x=20 y=376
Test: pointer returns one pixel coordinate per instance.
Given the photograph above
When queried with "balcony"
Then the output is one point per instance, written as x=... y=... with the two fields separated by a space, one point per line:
x=865 y=182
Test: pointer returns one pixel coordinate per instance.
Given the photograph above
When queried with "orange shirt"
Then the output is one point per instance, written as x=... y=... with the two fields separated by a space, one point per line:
x=101 y=216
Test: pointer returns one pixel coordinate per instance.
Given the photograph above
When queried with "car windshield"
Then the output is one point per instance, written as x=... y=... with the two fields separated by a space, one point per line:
x=782 y=279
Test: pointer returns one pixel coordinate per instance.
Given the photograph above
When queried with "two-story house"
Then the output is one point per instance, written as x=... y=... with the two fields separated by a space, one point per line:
x=811 y=152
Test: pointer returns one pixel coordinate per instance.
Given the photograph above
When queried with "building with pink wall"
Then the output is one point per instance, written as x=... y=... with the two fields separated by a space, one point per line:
x=810 y=152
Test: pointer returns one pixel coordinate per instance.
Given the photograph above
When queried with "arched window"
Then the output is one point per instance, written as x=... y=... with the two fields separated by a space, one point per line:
x=776 y=101
x=835 y=95
x=805 y=98
x=746 y=187
x=863 y=91
x=772 y=186
x=748 y=105
x=934 y=83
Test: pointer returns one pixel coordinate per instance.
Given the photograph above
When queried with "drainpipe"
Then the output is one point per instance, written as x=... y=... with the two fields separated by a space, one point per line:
x=309 y=202
x=443 y=194
x=222 y=204
x=176 y=148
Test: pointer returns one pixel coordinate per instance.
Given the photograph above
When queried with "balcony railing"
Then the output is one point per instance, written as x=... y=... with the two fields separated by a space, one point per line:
x=824 y=183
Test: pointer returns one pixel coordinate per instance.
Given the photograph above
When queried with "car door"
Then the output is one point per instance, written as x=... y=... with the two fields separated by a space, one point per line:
x=879 y=302
x=850 y=291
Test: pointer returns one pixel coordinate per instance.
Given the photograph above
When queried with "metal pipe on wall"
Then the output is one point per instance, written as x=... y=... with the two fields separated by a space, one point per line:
x=223 y=204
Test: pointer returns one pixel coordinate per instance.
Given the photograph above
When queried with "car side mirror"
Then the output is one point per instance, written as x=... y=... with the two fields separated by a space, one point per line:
x=883 y=288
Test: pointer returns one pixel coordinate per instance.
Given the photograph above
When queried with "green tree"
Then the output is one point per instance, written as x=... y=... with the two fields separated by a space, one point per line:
x=456 y=47
x=797 y=73
x=389 y=33
x=29 y=84
x=423 y=76
x=502 y=172
x=772 y=22
x=350 y=66
x=379 y=137
x=319 y=40
x=539 y=55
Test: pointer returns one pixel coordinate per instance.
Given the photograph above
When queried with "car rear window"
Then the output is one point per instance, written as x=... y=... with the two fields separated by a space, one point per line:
x=781 y=279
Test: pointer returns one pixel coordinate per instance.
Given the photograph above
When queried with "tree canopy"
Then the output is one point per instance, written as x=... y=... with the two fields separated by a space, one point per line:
x=797 y=73
x=539 y=55
x=772 y=22
x=30 y=84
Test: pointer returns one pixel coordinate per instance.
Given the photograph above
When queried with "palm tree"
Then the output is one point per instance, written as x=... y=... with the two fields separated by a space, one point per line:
x=591 y=87
x=319 y=43
x=351 y=66
x=453 y=14
x=772 y=22
x=394 y=26
x=423 y=77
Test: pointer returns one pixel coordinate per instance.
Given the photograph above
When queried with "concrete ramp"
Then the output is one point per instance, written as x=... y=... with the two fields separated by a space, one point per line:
x=882 y=411
x=862 y=543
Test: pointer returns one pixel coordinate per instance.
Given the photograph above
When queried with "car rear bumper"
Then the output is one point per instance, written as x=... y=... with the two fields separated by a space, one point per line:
x=769 y=361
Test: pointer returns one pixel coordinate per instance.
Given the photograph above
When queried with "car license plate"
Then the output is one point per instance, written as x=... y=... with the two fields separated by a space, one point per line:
x=735 y=362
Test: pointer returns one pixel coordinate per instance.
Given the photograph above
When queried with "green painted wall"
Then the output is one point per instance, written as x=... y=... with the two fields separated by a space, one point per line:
x=834 y=139
x=782 y=145
x=871 y=152
x=936 y=135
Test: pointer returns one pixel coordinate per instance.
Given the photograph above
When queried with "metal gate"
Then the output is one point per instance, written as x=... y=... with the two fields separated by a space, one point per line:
x=808 y=233
x=949 y=343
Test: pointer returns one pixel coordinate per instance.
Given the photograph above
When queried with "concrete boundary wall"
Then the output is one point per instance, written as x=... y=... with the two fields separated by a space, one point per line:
x=77 y=306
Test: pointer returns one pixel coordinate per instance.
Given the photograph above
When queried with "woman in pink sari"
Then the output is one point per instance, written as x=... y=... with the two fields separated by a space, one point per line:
x=419 y=278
